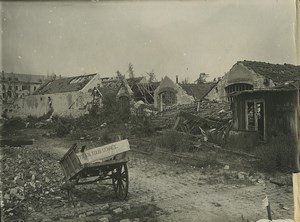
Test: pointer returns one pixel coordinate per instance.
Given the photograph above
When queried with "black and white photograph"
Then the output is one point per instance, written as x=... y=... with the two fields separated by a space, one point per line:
x=150 y=111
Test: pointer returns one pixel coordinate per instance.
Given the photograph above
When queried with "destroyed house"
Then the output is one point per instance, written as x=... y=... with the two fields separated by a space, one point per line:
x=137 y=89
x=169 y=94
x=72 y=96
x=253 y=75
x=260 y=115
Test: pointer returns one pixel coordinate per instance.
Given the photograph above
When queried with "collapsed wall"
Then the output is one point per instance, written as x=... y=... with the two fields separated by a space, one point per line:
x=73 y=104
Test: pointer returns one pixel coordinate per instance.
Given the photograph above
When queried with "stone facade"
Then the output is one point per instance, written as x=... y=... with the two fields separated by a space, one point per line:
x=239 y=75
x=14 y=86
x=169 y=93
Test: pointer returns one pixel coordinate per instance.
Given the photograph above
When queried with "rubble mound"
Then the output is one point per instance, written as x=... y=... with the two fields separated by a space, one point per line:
x=30 y=181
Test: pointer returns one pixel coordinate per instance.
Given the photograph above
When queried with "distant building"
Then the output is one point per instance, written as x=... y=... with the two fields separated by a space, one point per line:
x=252 y=75
x=14 y=86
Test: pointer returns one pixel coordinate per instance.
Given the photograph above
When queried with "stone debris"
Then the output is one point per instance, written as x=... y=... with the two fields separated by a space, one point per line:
x=26 y=185
x=117 y=211
x=226 y=167
x=125 y=220
x=103 y=219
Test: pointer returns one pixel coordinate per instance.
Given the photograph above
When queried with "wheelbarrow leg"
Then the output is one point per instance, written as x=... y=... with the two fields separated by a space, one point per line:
x=69 y=186
x=70 y=197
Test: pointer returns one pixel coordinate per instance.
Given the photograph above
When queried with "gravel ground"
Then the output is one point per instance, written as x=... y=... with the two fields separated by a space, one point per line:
x=161 y=189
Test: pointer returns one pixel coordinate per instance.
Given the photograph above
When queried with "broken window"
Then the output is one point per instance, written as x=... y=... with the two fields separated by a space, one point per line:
x=250 y=116
x=169 y=98
x=255 y=119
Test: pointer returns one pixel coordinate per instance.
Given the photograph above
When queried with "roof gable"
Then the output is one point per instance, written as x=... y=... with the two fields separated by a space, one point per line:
x=166 y=83
x=279 y=73
x=69 y=84
x=198 y=91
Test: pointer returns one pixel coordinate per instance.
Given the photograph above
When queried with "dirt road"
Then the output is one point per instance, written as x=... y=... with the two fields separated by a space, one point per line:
x=187 y=195
x=183 y=192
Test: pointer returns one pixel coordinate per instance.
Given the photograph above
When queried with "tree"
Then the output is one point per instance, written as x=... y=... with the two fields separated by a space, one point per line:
x=119 y=75
x=130 y=70
x=151 y=75
x=202 y=78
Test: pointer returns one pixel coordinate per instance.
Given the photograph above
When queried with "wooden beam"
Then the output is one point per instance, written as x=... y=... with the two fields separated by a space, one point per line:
x=15 y=142
x=296 y=191
x=216 y=147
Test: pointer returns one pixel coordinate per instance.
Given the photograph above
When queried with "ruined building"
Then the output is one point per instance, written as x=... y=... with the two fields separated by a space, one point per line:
x=72 y=96
x=14 y=86
x=169 y=94
x=252 y=75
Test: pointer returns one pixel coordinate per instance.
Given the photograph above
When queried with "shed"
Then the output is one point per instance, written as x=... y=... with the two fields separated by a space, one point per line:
x=259 y=115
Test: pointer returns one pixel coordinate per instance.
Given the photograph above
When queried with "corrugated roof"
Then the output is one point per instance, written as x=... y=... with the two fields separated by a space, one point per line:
x=69 y=84
x=279 y=73
x=198 y=91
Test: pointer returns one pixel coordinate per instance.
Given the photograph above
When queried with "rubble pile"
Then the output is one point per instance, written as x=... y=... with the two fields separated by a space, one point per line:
x=31 y=180
x=167 y=118
x=215 y=110
x=164 y=121
x=213 y=120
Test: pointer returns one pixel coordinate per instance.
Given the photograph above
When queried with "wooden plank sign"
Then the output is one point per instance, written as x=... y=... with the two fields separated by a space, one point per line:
x=105 y=152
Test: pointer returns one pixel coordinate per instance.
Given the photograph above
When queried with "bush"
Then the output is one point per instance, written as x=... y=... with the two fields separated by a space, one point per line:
x=142 y=126
x=174 y=141
x=278 y=155
x=13 y=124
x=61 y=129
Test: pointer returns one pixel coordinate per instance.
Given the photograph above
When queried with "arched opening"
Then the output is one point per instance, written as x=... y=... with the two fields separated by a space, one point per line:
x=237 y=87
x=124 y=104
x=167 y=99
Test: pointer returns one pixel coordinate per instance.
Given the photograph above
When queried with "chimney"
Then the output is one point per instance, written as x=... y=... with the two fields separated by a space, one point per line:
x=176 y=79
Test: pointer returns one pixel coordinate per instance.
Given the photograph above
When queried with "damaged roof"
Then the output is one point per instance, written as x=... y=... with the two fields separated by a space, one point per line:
x=279 y=73
x=198 y=91
x=134 y=81
x=69 y=84
x=105 y=92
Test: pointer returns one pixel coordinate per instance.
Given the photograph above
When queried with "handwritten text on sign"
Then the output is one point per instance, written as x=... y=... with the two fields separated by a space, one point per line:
x=99 y=154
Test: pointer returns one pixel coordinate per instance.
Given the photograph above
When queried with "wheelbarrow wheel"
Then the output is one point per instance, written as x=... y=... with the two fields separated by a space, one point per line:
x=120 y=181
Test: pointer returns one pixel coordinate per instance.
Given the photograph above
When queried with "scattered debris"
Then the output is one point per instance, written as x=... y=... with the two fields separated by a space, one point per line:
x=27 y=183
x=226 y=167
x=216 y=204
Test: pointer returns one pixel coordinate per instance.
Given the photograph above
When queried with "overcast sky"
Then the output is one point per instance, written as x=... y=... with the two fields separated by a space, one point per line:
x=173 y=38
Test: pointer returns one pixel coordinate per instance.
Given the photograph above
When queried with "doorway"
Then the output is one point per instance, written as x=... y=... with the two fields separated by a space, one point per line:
x=255 y=117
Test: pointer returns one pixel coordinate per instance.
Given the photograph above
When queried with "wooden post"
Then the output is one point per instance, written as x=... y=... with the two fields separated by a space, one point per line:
x=296 y=191
x=296 y=175
x=269 y=211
